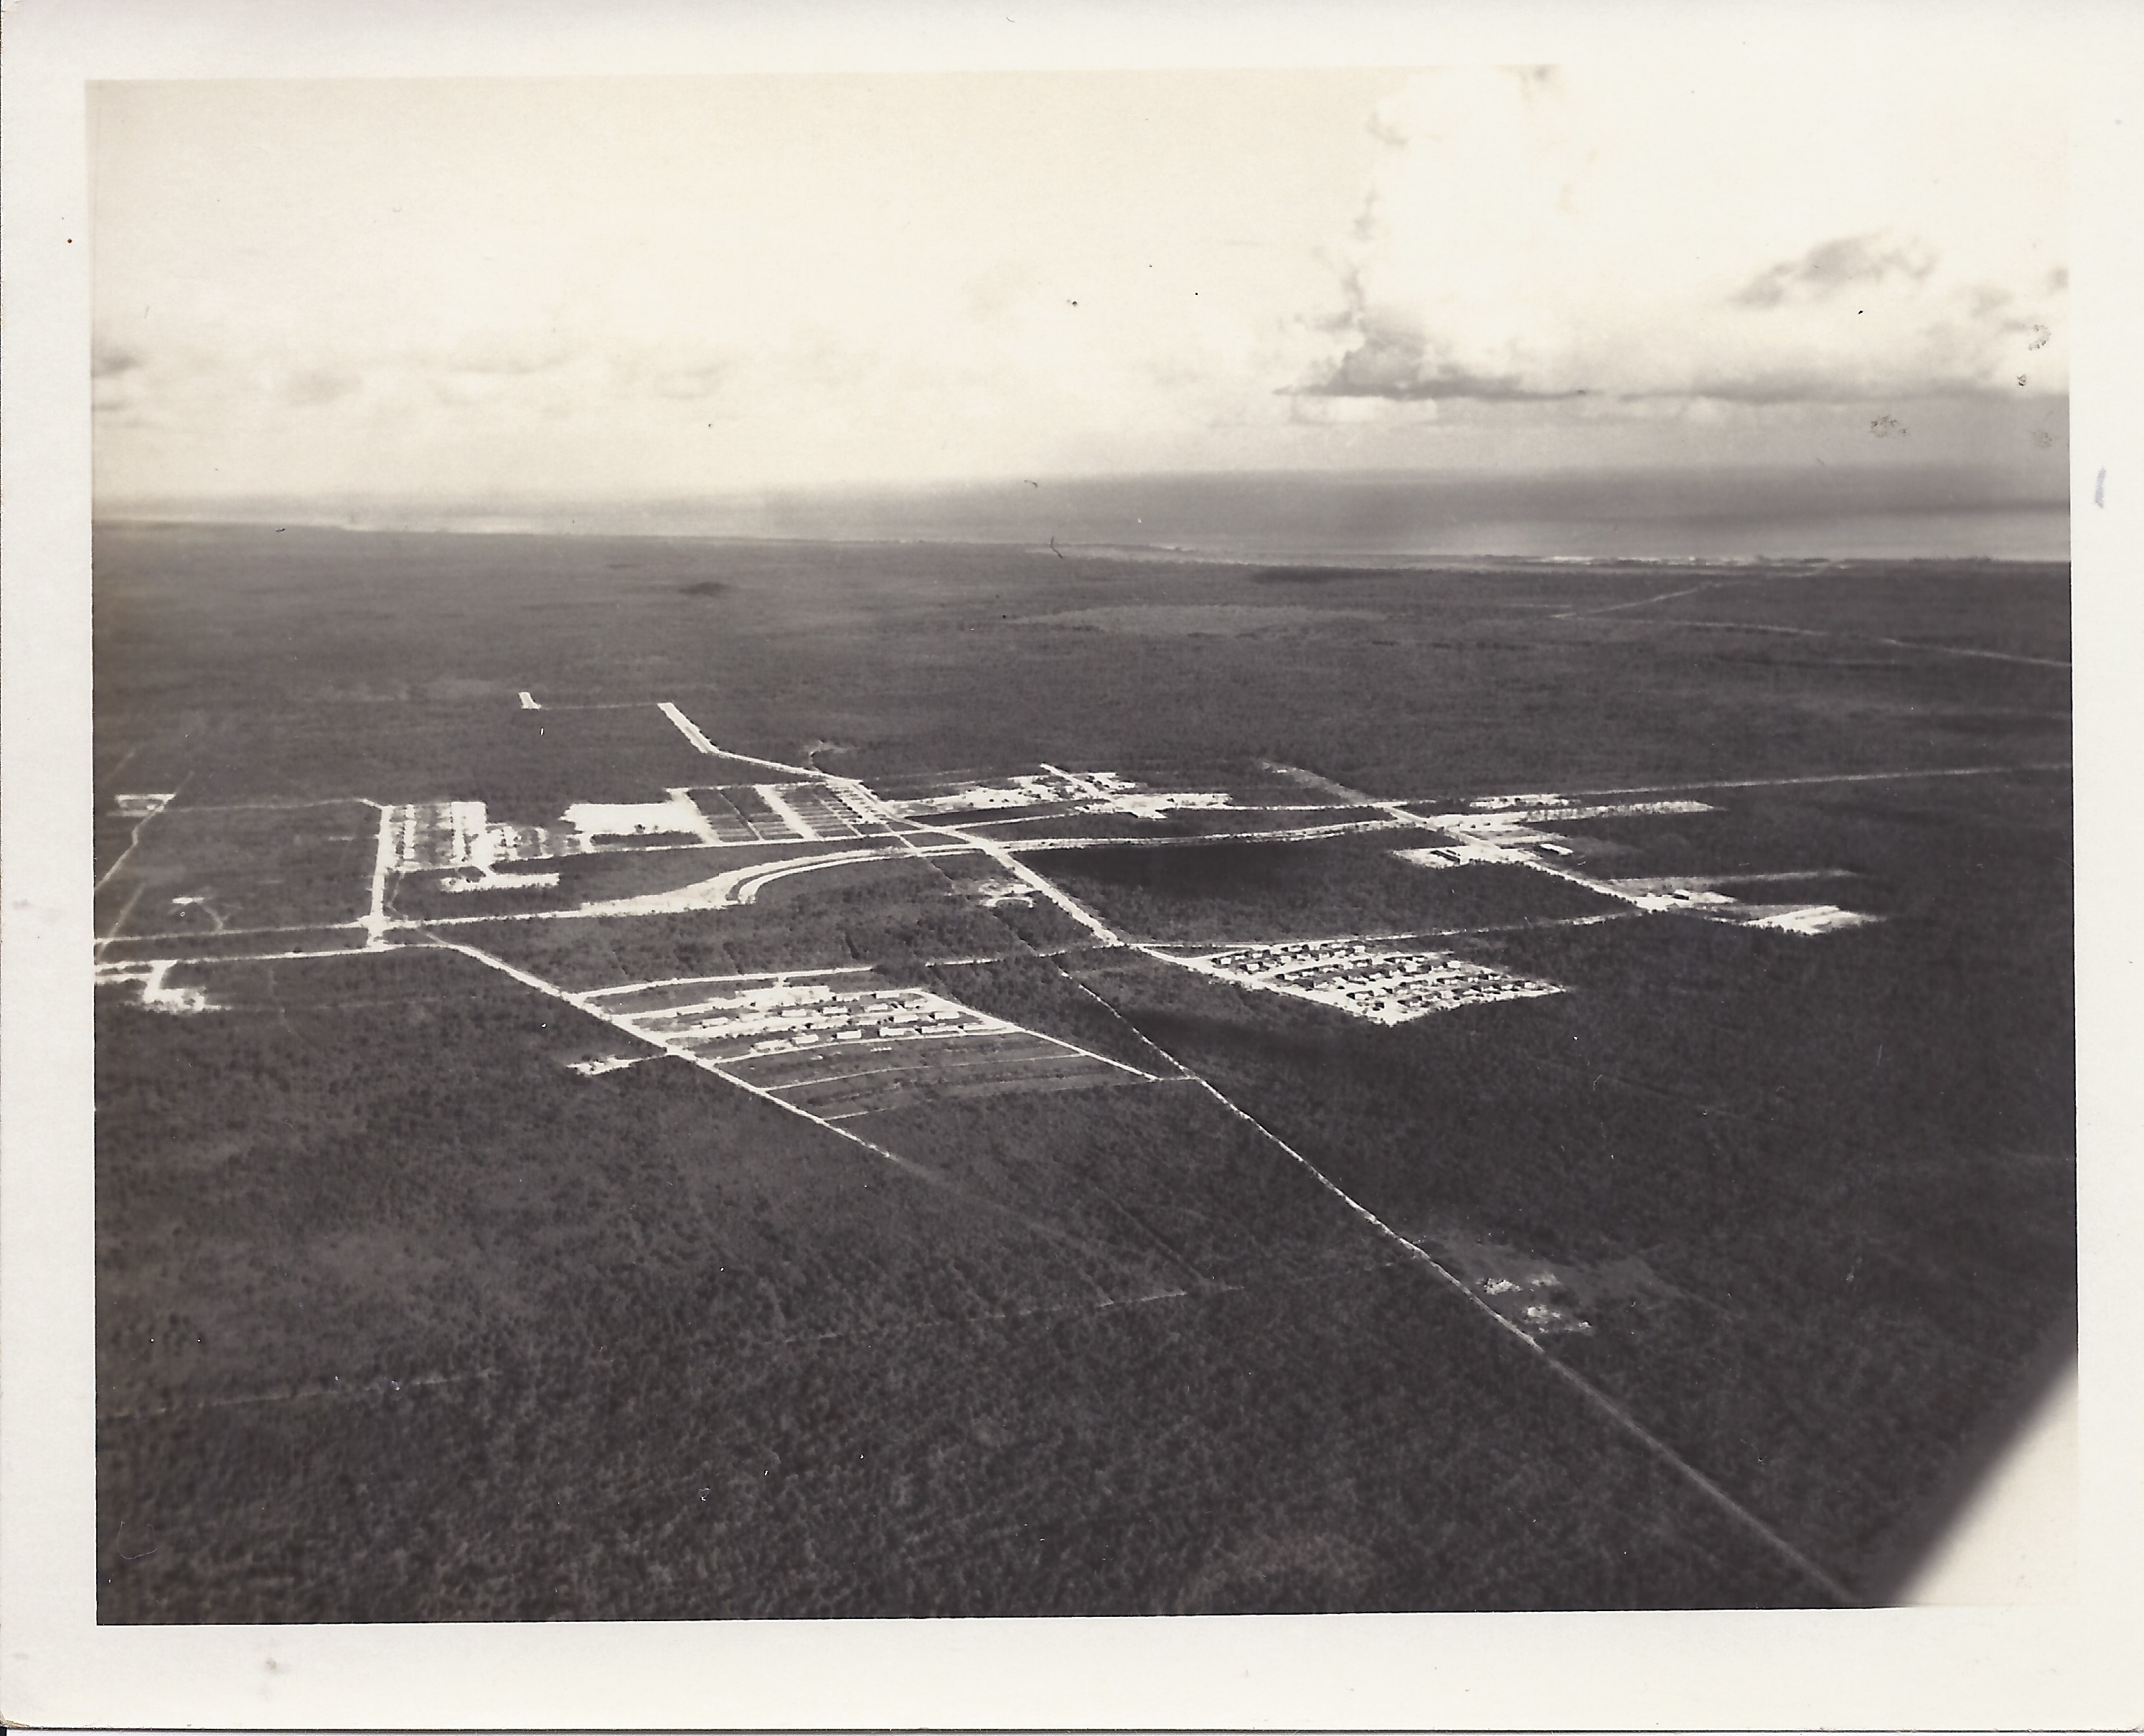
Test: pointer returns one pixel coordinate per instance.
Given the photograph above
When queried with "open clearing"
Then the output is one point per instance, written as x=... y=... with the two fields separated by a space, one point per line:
x=208 y=870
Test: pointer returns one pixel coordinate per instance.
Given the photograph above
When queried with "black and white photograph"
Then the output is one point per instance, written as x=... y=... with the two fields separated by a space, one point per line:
x=1091 y=841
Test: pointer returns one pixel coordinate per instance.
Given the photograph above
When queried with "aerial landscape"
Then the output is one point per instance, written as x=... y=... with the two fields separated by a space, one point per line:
x=595 y=1123
x=1467 y=1006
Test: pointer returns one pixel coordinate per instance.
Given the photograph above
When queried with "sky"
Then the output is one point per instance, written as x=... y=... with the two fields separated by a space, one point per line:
x=647 y=287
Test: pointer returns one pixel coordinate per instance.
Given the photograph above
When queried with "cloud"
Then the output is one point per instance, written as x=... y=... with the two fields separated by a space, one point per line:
x=509 y=351
x=1539 y=234
x=680 y=369
x=689 y=384
x=1363 y=411
x=120 y=390
x=310 y=387
x=697 y=291
x=1401 y=365
x=1831 y=268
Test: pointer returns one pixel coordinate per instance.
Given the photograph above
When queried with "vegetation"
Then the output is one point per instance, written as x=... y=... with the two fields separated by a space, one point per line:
x=198 y=870
x=1037 y=993
x=1191 y=894
x=1234 y=1452
x=1851 y=1162
x=400 y=1317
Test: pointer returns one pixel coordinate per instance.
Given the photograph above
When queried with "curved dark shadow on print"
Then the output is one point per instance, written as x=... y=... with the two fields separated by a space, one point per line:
x=1980 y=1459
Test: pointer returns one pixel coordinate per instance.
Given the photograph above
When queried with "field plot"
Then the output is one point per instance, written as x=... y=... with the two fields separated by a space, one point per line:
x=877 y=909
x=1256 y=893
x=204 y=871
x=232 y=945
x=461 y=835
x=629 y=753
x=776 y=813
x=658 y=875
x=843 y=1048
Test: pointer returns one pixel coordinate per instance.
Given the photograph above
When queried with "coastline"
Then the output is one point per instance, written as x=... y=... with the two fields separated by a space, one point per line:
x=1320 y=562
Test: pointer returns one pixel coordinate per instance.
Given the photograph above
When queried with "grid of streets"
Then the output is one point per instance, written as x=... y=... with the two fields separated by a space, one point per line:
x=1385 y=982
x=1384 y=979
x=843 y=1049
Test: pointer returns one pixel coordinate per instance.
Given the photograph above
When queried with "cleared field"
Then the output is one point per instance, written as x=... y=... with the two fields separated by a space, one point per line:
x=202 y=871
x=797 y=810
x=249 y=944
x=888 y=910
x=625 y=754
x=560 y=883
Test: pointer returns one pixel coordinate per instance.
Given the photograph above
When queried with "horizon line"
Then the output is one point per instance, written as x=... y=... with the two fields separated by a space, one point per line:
x=1491 y=475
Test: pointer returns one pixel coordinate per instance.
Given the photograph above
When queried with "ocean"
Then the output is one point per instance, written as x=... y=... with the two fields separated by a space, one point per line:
x=1366 y=519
